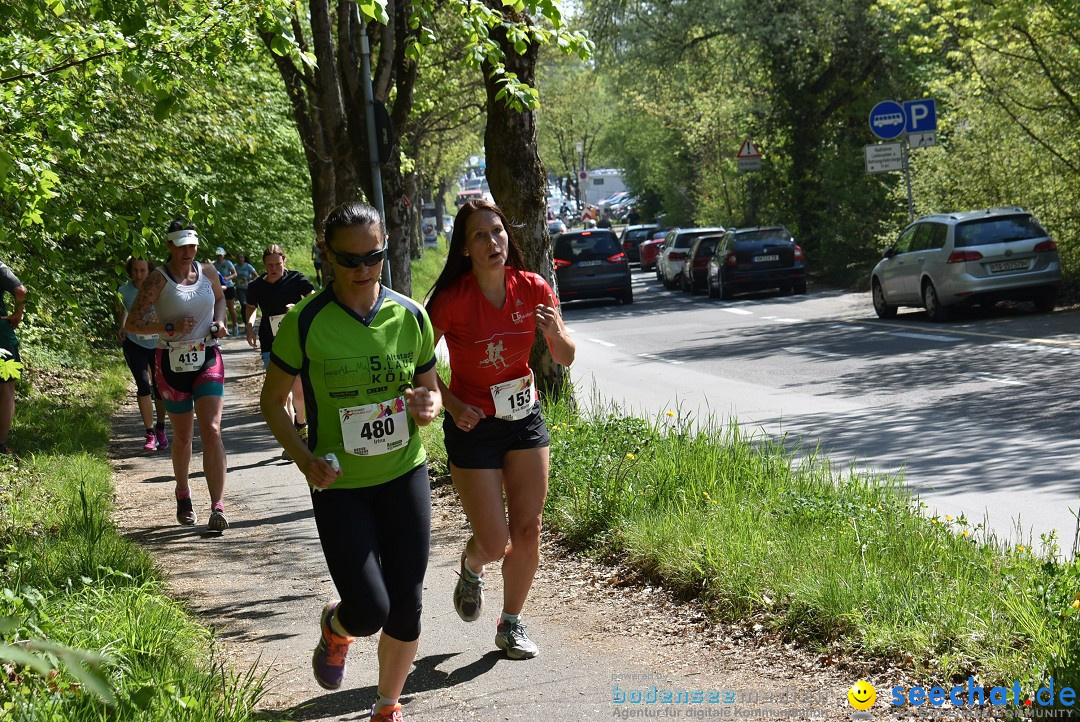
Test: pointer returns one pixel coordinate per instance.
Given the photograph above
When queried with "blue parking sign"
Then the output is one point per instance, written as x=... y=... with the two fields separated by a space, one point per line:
x=887 y=120
x=920 y=116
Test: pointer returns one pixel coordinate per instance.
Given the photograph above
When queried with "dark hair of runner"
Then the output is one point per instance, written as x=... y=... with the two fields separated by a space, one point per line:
x=274 y=250
x=130 y=263
x=180 y=224
x=457 y=263
x=352 y=214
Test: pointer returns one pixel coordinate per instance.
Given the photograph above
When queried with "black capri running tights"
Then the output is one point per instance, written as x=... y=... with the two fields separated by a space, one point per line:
x=141 y=362
x=376 y=541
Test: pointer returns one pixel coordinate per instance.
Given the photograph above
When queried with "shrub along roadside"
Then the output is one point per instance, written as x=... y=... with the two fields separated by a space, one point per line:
x=69 y=582
x=837 y=560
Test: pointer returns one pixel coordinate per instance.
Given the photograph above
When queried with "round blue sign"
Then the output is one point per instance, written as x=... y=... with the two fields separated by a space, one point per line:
x=887 y=120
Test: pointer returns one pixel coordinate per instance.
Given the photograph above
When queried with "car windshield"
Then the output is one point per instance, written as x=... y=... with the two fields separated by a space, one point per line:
x=586 y=246
x=638 y=234
x=765 y=234
x=1000 y=229
x=706 y=247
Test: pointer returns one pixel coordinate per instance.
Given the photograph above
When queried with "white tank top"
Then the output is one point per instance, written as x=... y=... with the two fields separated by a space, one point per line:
x=179 y=301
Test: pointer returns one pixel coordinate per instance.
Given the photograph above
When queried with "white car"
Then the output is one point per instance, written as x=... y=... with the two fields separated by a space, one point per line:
x=947 y=260
x=669 y=264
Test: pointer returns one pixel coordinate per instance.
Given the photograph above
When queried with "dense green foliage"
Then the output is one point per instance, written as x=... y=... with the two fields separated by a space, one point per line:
x=84 y=618
x=840 y=561
x=115 y=118
x=691 y=80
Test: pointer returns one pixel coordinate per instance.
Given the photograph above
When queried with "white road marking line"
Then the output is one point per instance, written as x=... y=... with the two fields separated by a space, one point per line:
x=602 y=343
x=653 y=357
x=812 y=351
x=1007 y=381
x=738 y=311
x=923 y=336
x=1039 y=348
x=569 y=330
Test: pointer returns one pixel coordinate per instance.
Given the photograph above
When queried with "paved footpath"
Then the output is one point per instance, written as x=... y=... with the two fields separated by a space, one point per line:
x=261 y=586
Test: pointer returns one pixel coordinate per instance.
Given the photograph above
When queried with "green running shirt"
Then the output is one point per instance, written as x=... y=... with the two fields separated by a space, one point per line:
x=343 y=361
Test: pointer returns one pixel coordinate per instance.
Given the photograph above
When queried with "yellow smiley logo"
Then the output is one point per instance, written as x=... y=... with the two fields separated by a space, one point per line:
x=862 y=695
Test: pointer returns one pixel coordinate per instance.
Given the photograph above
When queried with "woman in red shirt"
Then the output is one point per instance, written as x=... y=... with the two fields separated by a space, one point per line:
x=489 y=308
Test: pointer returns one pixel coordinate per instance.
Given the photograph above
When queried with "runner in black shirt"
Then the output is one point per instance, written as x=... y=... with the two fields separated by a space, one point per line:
x=274 y=293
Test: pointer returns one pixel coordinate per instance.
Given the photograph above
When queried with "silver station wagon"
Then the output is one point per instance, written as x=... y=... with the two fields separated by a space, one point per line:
x=947 y=260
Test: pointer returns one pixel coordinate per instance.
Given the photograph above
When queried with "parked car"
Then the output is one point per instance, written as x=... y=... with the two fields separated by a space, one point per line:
x=756 y=259
x=590 y=264
x=631 y=238
x=947 y=260
x=694 y=273
x=676 y=246
x=556 y=227
x=649 y=249
x=428 y=226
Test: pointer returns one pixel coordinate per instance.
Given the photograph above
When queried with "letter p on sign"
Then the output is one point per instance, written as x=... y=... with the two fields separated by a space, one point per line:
x=920 y=116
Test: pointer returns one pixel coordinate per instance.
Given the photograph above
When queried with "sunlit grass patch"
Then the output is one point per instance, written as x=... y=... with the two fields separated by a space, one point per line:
x=86 y=629
x=763 y=532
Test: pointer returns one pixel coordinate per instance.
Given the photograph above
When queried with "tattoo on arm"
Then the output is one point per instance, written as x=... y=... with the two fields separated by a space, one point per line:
x=144 y=301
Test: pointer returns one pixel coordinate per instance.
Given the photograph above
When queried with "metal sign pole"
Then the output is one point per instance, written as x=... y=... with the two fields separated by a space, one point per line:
x=907 y=176
x=373 y=143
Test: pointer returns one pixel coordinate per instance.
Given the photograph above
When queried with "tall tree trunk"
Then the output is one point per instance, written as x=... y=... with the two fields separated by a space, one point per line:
x=518 y=181
x=330 y=116
x=416 y=215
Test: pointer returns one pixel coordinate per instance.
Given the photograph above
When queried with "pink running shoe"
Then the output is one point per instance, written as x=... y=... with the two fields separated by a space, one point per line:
x=162 y=439
x=151 y=442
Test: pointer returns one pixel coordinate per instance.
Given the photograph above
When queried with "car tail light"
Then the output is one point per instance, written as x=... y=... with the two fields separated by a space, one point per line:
x=1045 y=246
x=560 y=263
x=729 y=259
x=798 y=253
x=617 y=258
x=961 y=256
x=676 y=256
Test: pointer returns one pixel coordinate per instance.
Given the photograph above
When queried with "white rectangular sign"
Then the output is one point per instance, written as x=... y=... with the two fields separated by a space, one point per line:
x=749 y=164
x=922 y=140
x=884 y=158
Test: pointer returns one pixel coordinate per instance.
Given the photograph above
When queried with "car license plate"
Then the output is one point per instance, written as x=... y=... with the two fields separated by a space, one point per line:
x=765 y=259
x=589 y=263
x=1007 y=266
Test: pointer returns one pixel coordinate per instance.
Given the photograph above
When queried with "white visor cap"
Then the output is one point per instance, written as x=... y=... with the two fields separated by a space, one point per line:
x=183 y=238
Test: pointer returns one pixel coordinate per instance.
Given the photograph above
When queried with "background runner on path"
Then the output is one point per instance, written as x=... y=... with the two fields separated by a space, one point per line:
x=273 y=294
x=9 y=347
x=139 y=351
x=190 y=309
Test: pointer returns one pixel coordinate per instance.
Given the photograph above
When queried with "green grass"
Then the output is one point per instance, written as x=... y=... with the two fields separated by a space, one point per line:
x=82 y=610
x=427 y=269
x=829 y=558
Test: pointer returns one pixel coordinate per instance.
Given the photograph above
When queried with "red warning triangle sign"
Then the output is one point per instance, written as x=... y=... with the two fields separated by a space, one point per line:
x=748 y=150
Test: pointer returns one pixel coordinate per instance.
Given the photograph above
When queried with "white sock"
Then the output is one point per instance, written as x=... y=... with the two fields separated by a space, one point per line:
x=385 y=702
x=511 y=618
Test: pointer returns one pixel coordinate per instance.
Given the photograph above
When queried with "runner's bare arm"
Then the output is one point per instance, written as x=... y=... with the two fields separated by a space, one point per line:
x=219 y=297
x=424 y=399
x=275 y=392
x=464 y=415
x=144 y=301
x=549 y=322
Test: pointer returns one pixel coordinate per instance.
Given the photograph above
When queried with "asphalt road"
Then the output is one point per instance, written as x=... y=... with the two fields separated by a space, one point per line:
x=978 y=413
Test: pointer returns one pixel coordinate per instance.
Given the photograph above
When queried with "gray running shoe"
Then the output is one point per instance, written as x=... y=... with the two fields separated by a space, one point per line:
x=468 y=595
x=217 y=522
x=185 y=515
x=511 y=638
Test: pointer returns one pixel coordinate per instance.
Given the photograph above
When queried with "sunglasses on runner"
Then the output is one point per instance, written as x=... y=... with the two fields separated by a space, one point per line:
x=352 y=260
